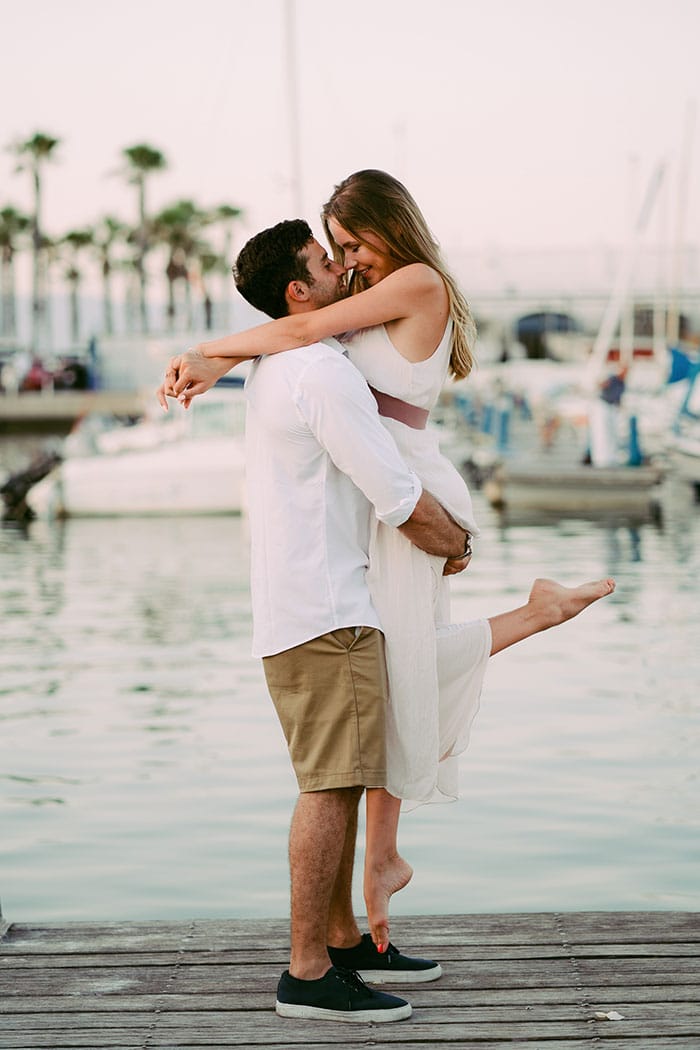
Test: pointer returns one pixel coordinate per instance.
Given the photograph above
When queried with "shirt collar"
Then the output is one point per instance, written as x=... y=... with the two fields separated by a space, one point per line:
x=334 y=344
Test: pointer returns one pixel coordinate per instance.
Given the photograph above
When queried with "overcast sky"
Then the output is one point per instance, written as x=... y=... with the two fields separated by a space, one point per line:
x=515 y=123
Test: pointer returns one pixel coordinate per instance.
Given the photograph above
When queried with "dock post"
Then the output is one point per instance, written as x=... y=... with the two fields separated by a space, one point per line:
x=503 y=428
x=635 y=457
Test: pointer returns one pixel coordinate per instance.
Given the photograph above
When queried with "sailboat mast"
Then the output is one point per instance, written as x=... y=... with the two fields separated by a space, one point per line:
x=290 y=33
x=674 y=320
x=613 y=310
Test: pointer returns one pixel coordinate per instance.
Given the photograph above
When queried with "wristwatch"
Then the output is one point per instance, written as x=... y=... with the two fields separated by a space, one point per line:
x=467 y=551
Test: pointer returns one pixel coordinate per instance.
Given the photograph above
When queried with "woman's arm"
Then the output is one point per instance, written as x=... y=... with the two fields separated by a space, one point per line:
x=401 y=294
x=404 y=293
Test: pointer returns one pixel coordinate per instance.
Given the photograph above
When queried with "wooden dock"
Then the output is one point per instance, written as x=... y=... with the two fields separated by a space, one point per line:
x=574 y=489
x=534 y=982
x=62 y=407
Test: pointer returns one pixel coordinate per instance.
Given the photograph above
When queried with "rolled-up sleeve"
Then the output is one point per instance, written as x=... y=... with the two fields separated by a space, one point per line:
x=334 y=401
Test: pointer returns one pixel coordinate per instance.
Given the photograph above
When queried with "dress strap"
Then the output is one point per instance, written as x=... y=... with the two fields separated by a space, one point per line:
x=395 y=408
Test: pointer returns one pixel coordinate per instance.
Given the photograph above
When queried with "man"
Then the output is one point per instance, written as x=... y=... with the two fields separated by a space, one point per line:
x=319 y=463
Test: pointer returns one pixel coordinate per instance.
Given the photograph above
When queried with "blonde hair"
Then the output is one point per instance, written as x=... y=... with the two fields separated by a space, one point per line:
x=374 y=202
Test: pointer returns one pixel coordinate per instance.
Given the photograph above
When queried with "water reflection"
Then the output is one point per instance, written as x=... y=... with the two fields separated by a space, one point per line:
x=143 y=773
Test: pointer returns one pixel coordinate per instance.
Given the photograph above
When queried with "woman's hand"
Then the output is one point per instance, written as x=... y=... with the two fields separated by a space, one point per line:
x=191 y=374
x=455 y=565
x=461 y=562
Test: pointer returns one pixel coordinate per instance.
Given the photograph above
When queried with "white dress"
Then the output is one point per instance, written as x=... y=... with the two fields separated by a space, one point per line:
x=435 y=667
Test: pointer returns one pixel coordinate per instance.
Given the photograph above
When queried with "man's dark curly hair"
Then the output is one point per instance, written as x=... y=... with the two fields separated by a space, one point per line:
x=269 y=261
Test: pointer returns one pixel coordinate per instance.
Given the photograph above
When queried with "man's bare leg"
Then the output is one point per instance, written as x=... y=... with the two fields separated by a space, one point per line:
x=316 y=843
x=343 y=931
x=386 y=872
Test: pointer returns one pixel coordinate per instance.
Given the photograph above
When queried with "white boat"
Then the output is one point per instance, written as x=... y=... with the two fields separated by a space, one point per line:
x=684 y=456
x=683 y=444
x=183 y=462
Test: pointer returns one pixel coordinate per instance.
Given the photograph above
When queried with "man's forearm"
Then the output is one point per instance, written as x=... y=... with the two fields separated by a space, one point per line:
x=432 y=529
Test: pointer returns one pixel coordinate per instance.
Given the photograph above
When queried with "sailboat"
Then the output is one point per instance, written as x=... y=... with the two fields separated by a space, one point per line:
x=683 y=445
x=183 y=463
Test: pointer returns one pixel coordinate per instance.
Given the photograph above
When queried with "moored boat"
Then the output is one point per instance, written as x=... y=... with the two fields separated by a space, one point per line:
x=185 y=462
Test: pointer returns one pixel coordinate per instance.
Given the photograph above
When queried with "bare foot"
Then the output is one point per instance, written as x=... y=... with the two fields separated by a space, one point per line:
x=553 y=604
x=380 y=883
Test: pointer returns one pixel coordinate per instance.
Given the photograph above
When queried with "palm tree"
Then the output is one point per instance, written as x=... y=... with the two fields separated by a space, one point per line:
x=226 y=215
x=127 y=266
x=209 y=263
x=178 y=227
x=13 y=224
x=77 y=241
x=107 y=233
x=142 y=160
x=32 y=155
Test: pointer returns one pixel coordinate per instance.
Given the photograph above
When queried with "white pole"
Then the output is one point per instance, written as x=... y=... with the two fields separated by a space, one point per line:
x=293 y=106
x=613 y=310
x=627 y=310
x=673 y=325
x=661 y=295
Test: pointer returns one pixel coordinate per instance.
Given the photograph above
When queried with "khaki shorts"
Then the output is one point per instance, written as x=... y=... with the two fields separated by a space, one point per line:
x=331 y=696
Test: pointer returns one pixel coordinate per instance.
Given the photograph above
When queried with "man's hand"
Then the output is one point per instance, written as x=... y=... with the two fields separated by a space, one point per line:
x=191 y=374
x=432 y=529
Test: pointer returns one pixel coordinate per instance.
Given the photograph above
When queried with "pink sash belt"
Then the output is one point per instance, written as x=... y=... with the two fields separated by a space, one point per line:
x=395 y=408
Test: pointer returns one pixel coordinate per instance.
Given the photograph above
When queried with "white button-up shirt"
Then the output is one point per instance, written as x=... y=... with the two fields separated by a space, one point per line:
x=318 y=463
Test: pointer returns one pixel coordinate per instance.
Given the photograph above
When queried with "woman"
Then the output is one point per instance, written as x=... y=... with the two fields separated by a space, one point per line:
x=410 y=326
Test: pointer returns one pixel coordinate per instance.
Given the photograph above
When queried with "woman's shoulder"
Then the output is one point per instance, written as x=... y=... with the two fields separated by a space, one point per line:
x=419 y=285
x=419 y=274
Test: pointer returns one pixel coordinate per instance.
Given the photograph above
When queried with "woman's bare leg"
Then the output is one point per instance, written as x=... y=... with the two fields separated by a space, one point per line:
x=385 y=871
x=549 y=604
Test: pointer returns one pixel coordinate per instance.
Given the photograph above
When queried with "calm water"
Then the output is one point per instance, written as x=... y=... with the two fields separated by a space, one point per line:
x=143 y=774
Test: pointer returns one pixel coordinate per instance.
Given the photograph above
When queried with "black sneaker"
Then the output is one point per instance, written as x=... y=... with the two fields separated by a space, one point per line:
x=384 y=967
x=340 y=995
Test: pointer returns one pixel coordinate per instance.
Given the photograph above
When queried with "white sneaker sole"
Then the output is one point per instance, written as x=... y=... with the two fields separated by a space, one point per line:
x=401 y=976
x=397 y=1013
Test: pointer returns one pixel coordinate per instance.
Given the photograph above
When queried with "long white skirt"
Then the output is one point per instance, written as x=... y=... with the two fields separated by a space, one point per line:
x=436 y=669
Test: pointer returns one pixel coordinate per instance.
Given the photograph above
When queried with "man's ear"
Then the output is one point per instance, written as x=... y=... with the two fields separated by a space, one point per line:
x=297 y=292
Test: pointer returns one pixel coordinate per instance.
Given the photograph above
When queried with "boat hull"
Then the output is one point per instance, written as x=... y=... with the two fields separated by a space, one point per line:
x=576 y=491
x=193 y=477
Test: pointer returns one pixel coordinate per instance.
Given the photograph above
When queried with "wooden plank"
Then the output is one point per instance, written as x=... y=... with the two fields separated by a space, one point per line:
x=74 y=937
x=205 y=980
x=345 y=1037
x=630 y=927
x=112 y=1040
x=497 y=1015
x=677 y=949
x=683 y=971
x=601 y=998
x=407 y=931
x=410 y=932
x=362 y=1044
x=279 y=957
x=262 y=1032
x=348 y=1043
x=462 y=978
x=458 y=970
x=127 y=960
